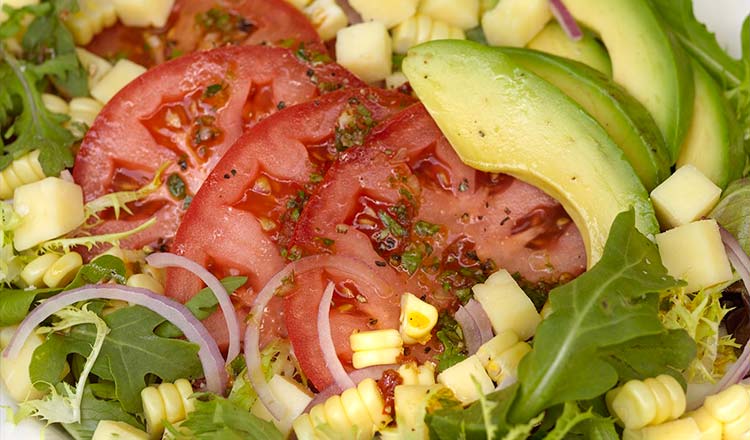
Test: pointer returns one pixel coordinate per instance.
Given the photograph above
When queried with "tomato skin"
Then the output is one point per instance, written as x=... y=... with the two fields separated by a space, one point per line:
x=136 y=133
x=222 y=229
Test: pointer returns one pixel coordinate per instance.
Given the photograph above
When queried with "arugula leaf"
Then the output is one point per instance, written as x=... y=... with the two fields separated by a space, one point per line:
x=614 y=303
x=448 y=420
x=454 y=347
x=733 y=211
x=216 y=418
x=201 y=305
x=104 y=267
x=130 y=352
x=15 y=303
x=93 y=410
x=572 y=417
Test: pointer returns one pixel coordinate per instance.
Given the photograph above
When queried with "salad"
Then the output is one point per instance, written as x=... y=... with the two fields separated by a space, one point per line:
x=406 y=219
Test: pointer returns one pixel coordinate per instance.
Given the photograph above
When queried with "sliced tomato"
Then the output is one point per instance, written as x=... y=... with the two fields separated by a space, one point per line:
x=241 y=220
x=427 y=224
x=208 y=24
x=187 y=113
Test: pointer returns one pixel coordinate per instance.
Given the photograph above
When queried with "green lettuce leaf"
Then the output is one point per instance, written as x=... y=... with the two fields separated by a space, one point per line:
x=733 y=211
x=216 y=418
x=93 y=410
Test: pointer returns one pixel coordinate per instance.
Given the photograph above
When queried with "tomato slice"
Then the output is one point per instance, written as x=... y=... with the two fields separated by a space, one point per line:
x=207 y=24
x=425 y=223
x=241 y=220
x=187 y=113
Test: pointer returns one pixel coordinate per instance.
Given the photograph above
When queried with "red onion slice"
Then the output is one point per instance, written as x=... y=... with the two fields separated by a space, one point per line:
x=469 y=328
x=566 y=20
x=171 y=310
x=325 y=339
x=480 y=317
x=230 y=315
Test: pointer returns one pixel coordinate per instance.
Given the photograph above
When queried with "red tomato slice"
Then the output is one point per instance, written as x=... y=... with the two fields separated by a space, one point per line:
x=207 y=24
x=240 y=221
x=187 y=113
x=425 y=223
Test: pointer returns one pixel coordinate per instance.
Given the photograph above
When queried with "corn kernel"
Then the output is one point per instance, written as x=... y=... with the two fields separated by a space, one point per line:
x=357 y=412
x=676 y=394
x=417 y=319
x=373 y=400
x=382 y=356
x=375 y=340
x=711 y=429
x=303 y=427
x=738 y=427
x=153 y=411
x=634 y=405
x=145 y=282
x=33 y=273
x=336 y=416
x=728 y=405
x=55 y=104
x=62 y=271
x=662 y=399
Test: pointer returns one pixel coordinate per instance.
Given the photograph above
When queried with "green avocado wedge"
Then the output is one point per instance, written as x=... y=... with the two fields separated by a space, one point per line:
x=502 y=118
x=588 y=50
x=646 y=60
x=714 y=142
x=625 y=119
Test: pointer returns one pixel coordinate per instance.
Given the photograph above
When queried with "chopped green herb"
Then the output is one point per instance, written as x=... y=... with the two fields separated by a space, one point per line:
x=212 y=90
x=411 y=259
x=176 y=186
x=450 y=335
x=392 y=225
x=426 y=229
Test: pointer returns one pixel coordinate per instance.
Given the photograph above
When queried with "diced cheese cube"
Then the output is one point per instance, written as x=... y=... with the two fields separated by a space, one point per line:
x=694 y=253
x=96 y=67
x=515 y=22
x=463 y=378
x=291 y=395
x=410 y=402
x=685 y=196
x=395 y=80
x=48 y=208
x=14 y=4
x=327 y=17
x=461 y=13
x=113 y=81
x=144 y=13
x=388 y=12
x=111 y=430
x=15 y=372
x=507 y=305
x=365 y=49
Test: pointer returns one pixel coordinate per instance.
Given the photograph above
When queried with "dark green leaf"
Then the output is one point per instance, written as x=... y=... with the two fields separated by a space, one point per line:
x=216 y=418
x=94 y=410
x=16 y=303
x=454 y=347
x=105 y=267
x=426 y=229
x=448 y=420
x=202 y=305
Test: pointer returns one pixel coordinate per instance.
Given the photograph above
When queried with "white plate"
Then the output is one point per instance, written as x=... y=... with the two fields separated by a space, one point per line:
x=722 y=16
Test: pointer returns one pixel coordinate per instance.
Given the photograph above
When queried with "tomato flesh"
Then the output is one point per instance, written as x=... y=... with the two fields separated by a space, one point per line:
x=187 y=113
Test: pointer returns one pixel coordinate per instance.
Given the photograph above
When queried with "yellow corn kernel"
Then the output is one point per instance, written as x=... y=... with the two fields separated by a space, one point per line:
x=84 y=110
x=503 y=368
x=493 y=348
x=426 y=374
x=186 y=391
x=662 y=399
x=383 y=356
x=327 y=17
x=12 y=181
x=318 y=414
x=94 y=65
x=729 y=404
x=373 y=400
x=157 y=273
x=174 y=409
x=676 y=394
x=33 y=272
x=62 y=271
x=375 y=340
x=409 y=373
x=711 y=429
x=54 y=103
x=336 y=416
x=738 y=427
x=153 y=411
x=27 y=167
x=303 y=427
x=357 y=413
x=92 y=17
x=683 y=429
x=111 y=430
x=417 y=319
x=634 y=405
x=145 y=282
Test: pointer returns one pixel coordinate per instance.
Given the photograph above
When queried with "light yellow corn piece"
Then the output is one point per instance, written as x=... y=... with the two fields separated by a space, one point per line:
x=111 y=430
x=494 y=347
x=729 y=404
x=460 y=13
x=54 y=103
x=420 y=29
x=409 y=403
x=143 y=13
x=663 y=401
x=683 y=429
x=84 y=110
x=186 y=392
x=93 y=16
x=293 y=397
x=503 y=368
x=15 y=372
x=336 y=416
x=123 y=72
x=25 y=169
x=62 y=271
x=738 y=428
x=653 y=401
x=375 y=340
x=33 y=272
x=167 y=401
x=357 y=413
x=303 y=427
x=157 y=273
x=373 y=400
x=676 y=395
x=711 y=429
x=418 y=318
x=153 y=411
x=94 y=65
x=327 y=17
x=388 y=12
x=381 y=356
x=413 y=374
x=145 y=282
x=426 y=374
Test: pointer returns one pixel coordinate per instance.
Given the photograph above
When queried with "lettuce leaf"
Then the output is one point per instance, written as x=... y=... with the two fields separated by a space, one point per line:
x=733 y=211
x=216 y=418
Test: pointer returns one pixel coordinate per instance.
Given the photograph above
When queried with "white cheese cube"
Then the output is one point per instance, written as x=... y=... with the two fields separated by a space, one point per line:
x=14 y=4
x=143 y=13
x=96 y=67
x=111 y=430
x=365 y=49
x=48 y=208
x=507 y=305
x=463 y=378
x=388 y=12
x=515 y=22
x=410 y=402
x=291 y=395
x=685 y=196
x=461 y=13
x=694 y=253
x=118 y=77
x=15 y=372
x=327 y=17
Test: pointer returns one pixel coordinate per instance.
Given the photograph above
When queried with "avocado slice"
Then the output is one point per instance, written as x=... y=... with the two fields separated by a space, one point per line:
x=588 y=50
x=646 y=60
x=714 y=142
x=502 y=118
x=625 y=119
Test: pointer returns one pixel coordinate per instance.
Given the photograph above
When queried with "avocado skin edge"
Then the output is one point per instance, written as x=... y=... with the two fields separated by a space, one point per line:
x=492 y=111
x=637 y=134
